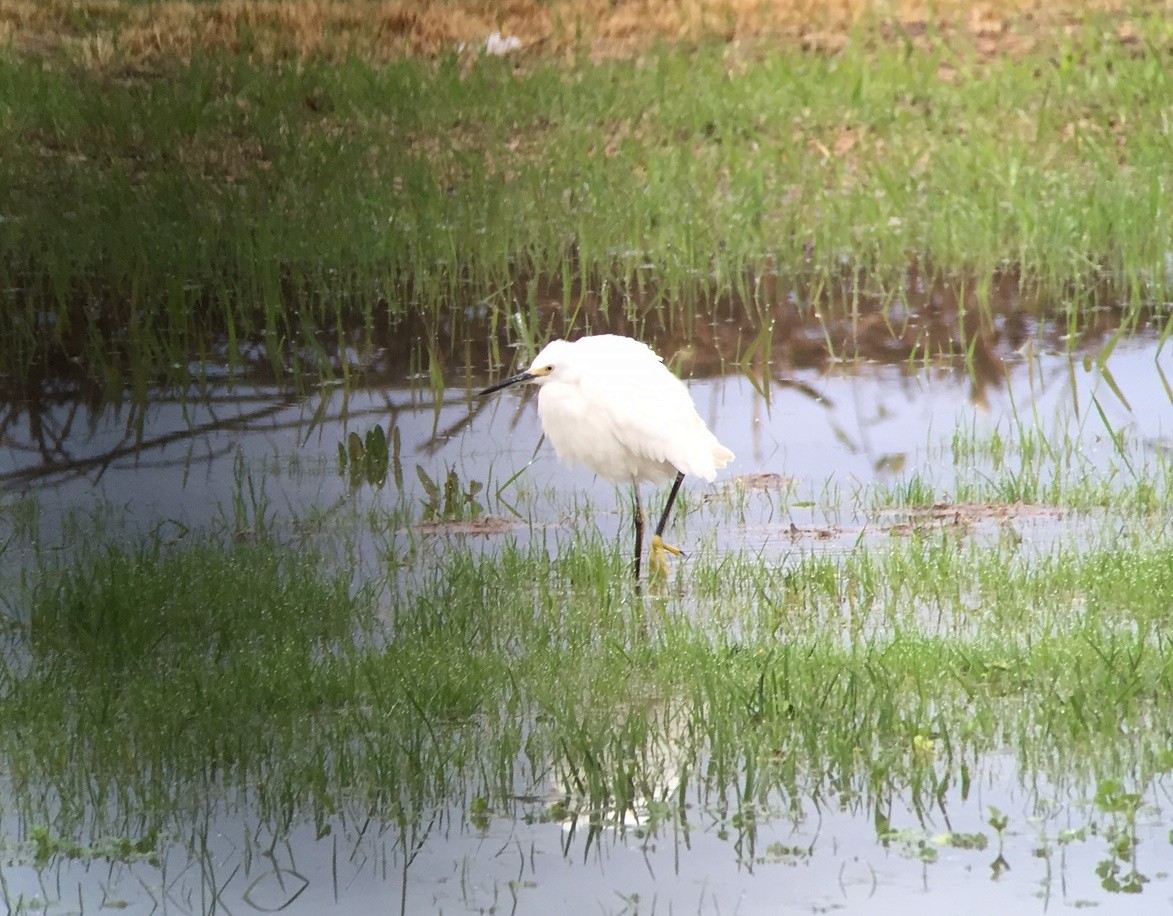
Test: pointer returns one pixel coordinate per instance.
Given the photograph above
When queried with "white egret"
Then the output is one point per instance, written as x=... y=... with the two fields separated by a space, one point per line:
x=610 y=403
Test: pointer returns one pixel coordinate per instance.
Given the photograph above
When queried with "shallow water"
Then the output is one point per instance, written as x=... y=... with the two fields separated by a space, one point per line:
x=1055 y=852
x=183 y=461
x=809 y=447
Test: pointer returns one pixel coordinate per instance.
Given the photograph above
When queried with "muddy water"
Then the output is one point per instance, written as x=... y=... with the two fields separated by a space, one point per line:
x=808 y=440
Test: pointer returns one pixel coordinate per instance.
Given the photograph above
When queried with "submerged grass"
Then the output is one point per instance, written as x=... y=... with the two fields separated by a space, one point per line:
x=277 y=212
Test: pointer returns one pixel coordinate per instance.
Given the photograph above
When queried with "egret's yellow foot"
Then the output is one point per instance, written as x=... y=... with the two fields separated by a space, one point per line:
x=657 y=559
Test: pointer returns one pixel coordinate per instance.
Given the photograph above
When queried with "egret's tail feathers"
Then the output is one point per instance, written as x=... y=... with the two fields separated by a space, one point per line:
x=719 y=457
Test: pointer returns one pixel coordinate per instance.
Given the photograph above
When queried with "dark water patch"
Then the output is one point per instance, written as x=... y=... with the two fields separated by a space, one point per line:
x=764 y=323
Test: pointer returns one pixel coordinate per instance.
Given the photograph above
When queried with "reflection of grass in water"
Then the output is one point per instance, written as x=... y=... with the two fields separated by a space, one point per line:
x=233 y=200
x=140 y=681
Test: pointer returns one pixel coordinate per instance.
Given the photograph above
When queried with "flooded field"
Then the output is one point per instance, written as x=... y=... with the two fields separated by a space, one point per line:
x=291 y=620
x=874 y=507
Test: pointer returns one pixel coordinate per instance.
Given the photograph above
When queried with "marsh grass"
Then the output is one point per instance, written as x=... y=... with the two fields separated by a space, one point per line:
x=1027 y=464
x=282 y=214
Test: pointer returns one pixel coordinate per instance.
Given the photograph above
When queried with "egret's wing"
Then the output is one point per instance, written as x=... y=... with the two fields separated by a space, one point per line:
x=651 y=414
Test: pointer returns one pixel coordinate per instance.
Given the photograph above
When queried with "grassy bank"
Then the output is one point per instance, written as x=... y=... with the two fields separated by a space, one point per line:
x=222 y=203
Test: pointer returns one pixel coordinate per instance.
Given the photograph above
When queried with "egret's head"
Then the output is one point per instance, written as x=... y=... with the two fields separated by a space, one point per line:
x=551 y=364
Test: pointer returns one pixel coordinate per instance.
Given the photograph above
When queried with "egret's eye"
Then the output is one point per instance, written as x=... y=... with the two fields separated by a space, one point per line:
x=550 y=368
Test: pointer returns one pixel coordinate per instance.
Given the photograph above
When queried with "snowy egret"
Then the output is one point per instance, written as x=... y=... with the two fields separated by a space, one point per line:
x=610 y=403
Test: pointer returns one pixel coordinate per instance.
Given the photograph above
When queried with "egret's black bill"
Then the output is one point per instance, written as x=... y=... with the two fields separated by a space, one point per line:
x=515 y=380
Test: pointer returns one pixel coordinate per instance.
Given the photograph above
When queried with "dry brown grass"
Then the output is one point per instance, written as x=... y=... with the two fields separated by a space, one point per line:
x=95 y=33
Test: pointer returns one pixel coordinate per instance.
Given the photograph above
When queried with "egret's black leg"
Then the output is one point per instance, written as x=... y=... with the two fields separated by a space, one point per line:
x=668 y=507
x=657 y=560
x=639 y=530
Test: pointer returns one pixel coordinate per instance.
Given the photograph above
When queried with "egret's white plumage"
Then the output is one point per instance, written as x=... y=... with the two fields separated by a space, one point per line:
x=610 y=403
